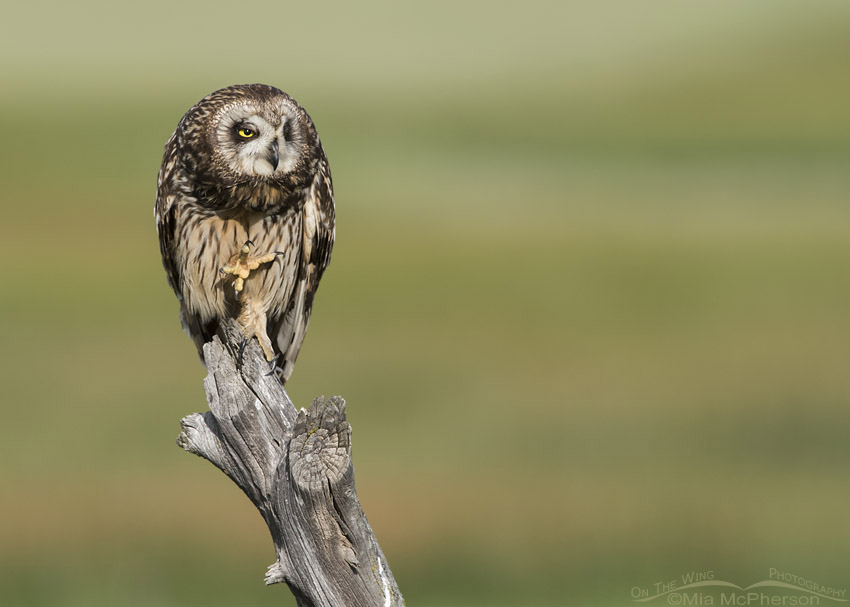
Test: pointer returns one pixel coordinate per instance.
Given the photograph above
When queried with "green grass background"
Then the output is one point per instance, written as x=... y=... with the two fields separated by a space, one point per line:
x=589 y=303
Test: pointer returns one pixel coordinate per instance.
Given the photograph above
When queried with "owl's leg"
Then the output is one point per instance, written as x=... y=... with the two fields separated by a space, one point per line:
x=252 y=318
x=242 y=266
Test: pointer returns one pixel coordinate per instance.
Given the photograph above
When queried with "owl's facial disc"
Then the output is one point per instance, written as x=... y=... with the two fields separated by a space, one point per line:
x=259 y=143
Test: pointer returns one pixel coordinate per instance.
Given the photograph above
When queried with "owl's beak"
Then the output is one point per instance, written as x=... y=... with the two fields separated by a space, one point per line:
x=274 y=154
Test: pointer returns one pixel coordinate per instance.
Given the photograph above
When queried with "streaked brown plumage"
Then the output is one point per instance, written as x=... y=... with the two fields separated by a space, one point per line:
x=245 y=172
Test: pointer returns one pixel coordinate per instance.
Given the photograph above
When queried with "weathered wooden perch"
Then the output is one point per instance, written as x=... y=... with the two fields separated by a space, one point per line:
x=295 y=466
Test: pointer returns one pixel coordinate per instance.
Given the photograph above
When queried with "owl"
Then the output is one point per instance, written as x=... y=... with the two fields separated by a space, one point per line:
x=245 y=216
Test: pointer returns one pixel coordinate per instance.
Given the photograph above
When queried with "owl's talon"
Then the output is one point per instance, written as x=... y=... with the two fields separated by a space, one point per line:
x=242 y=266
x=273 y=364
x=242 y=346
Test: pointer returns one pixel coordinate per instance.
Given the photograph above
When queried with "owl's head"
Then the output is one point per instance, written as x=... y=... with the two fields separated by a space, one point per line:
x=249 y=134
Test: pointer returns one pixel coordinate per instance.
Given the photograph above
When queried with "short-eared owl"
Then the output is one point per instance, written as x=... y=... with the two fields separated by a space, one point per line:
x=245 y=216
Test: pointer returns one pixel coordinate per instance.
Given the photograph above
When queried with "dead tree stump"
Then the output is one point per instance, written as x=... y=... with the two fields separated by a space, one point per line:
x=295 y=466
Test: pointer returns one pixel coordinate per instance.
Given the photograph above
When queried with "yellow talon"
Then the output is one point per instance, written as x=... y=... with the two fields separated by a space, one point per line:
x=243 y=265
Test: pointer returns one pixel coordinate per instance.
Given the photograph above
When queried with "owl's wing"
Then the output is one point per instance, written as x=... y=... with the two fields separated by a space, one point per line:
x=317 y=244
x=169 y=195
x=165 y=212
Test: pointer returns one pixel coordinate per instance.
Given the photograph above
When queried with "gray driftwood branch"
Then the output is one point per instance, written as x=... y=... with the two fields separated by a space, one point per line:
x=295 y=466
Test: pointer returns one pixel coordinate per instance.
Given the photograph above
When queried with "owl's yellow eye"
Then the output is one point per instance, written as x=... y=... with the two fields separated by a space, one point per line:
x=246 y=133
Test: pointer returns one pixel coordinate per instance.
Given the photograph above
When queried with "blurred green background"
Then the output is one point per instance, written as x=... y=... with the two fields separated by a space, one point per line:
x=589 y=303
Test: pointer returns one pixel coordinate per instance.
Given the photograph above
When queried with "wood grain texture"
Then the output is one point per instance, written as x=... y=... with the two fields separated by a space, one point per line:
x=295 y=466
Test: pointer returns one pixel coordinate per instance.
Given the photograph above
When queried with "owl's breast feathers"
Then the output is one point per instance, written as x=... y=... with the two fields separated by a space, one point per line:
x=208 y=241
